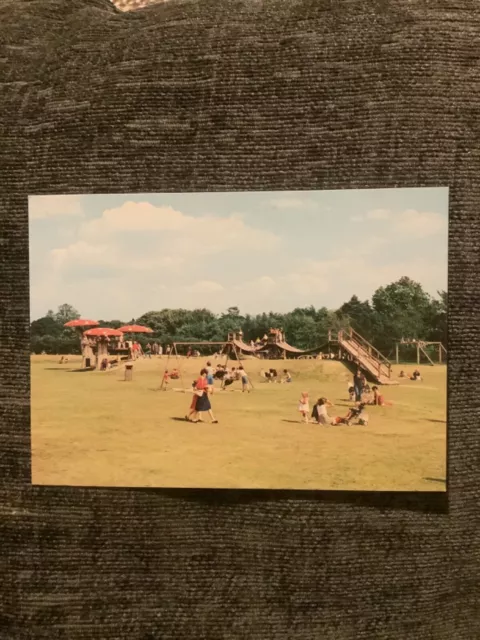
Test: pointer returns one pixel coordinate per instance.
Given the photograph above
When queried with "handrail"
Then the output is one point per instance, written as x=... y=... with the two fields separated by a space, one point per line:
x=359 y=338
x=379 y=359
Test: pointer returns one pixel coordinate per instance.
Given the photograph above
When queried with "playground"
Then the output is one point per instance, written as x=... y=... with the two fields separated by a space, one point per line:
x=94 y=428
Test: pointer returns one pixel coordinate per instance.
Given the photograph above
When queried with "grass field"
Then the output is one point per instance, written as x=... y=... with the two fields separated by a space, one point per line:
x=92 y=428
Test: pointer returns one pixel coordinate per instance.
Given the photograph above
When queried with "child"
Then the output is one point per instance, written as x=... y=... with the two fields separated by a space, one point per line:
x=304 y=406
x=209 y=369
x=351 y=392
x=357 y=413
x=286 y=376
x=166 y=377
x=378 y=399
x=244 y=378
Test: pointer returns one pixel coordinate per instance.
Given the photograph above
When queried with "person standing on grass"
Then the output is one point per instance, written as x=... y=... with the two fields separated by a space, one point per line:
x=358 y=385
x=148 y=351
x=244 y=378
x=210 y=379
x=304 y=406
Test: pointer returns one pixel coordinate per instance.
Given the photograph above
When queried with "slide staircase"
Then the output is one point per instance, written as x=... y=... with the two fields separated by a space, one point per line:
x=367 y=355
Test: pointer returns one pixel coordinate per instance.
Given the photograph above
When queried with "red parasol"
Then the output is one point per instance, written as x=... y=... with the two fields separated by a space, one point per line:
x=135 y=328
x=104 y=332
x=81 y=322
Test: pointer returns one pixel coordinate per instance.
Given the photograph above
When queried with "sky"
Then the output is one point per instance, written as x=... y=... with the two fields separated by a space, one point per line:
x=119 y=256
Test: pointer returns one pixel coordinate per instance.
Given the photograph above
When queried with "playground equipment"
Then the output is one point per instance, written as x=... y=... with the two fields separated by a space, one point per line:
x=352 y=345
x=86 y=345
x=235 y=339
x=98 y=340
x=275 y=346
x=233 y=345
x=421 y=350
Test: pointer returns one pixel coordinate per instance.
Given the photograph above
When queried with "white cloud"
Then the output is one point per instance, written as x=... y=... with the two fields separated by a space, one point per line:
x=378 y=214
x=83 y=254
x=291 y=202
x=420 y=224
x=205 y=286
x=263 y=283
x=186 y=234
x=41 y=207
x=417 y=224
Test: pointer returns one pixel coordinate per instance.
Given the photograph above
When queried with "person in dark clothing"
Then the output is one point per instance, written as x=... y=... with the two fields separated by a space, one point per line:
x=358 y=385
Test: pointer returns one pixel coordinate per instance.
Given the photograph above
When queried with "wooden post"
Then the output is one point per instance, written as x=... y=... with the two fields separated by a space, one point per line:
x=397 y=358
x=128 y=372
x=439 y=353
x=418 y=353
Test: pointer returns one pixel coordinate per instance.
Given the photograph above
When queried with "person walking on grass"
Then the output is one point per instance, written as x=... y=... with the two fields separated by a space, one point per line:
x=304 y=406
x=201 y=401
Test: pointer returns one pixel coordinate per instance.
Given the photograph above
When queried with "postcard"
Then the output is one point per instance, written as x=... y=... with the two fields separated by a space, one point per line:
x=247 y=340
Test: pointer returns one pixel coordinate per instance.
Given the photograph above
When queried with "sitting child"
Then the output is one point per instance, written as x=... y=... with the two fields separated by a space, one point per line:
x=351 y=392
x=286 y=376
x=358 y=414
x=416 y=376
x=175 y=375
x=378 y=399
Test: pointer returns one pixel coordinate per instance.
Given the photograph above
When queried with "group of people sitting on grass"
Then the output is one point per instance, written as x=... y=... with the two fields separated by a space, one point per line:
x=319 y=414
x=272 y=376
x=416 y=376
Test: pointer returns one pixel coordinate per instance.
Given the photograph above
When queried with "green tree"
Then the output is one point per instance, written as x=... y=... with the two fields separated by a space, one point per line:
x=65 y=313
x=403 y=308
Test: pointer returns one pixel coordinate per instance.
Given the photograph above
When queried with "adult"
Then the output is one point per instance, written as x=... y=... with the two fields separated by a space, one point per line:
x=320 y=413
x=358 y=385
x=201 y=402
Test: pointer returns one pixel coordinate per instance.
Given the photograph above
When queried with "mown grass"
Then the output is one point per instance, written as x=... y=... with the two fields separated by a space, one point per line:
x=95 y=429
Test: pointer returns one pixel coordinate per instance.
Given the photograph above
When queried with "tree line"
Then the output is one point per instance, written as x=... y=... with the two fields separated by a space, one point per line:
x=398 y=310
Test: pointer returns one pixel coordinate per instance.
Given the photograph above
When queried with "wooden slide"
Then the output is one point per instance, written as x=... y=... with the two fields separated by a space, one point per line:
x=369 y=358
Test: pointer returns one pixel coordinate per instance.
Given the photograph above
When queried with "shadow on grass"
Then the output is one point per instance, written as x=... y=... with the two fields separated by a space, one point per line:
x=441 y=480
x=68 y=370
x=437 y=421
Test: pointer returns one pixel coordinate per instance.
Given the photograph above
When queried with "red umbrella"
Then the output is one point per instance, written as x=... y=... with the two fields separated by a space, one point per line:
x=135 y=328
x=104 y=332
x=81 y=322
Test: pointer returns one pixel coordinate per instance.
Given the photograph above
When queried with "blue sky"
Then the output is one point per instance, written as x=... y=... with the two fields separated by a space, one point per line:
x=118 y=256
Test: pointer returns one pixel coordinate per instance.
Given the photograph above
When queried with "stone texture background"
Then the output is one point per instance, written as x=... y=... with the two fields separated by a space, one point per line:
x=225 y=95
